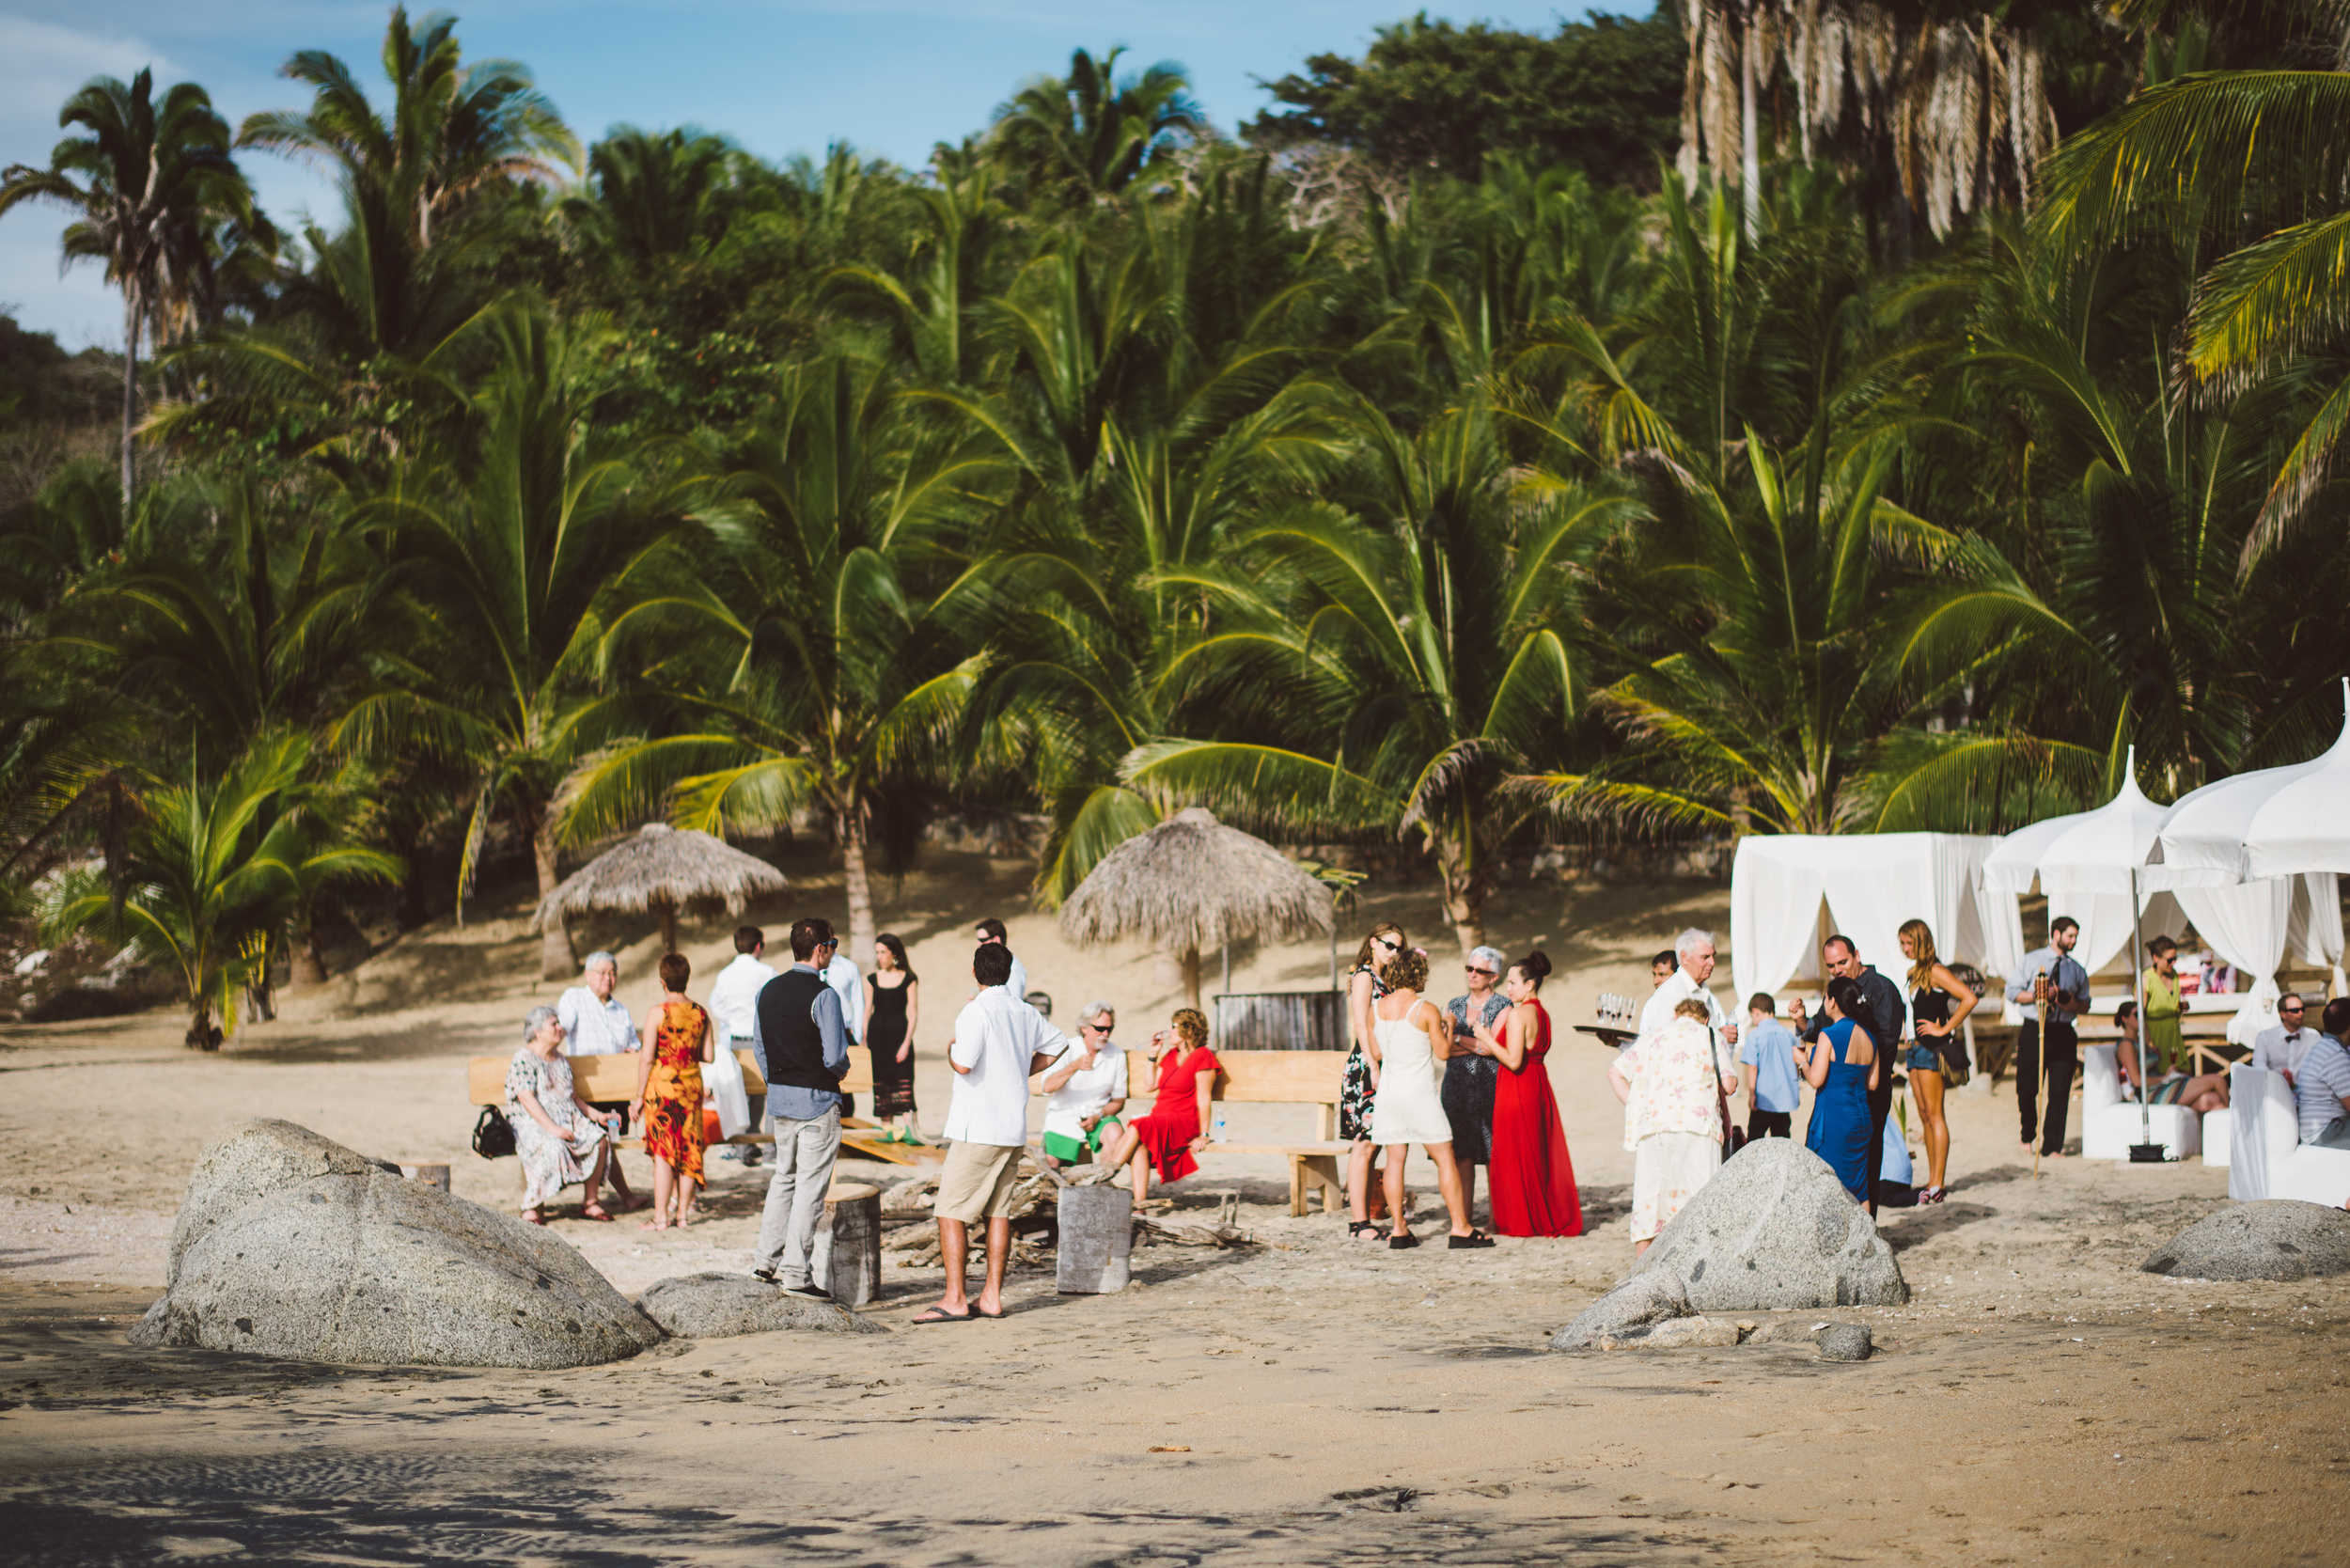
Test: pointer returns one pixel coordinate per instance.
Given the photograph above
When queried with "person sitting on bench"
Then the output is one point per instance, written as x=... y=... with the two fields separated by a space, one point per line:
x=1085 y=1091
x=2205 y=1094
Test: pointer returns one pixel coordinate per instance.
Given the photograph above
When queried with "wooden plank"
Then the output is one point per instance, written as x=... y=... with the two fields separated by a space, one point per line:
x=607 y=1077
x=1263 y=1077
x=1279 y=1021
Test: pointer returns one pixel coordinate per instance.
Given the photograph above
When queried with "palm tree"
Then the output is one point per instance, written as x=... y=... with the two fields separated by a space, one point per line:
x=150 y=184
x=214 y=868
x=514 y=570
x=2260 y=160
x=453 y=129
x=1089 y=135
x=655 y=194
x=1399 y=653
x=833 y=679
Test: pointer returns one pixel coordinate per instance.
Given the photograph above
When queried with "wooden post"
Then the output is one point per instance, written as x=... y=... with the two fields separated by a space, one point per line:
x=2040 y=999
x=1097 y=1233
x=846 y=1258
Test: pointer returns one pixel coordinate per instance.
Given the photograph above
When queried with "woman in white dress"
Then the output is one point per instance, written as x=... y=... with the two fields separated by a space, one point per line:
x=1414 y=1039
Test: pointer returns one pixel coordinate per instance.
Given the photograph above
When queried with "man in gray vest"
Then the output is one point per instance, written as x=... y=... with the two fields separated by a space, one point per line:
x=802 y=1048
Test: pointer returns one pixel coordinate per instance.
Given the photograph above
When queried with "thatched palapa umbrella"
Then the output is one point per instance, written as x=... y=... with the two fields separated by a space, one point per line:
x=665 y=868
x=1192 y=883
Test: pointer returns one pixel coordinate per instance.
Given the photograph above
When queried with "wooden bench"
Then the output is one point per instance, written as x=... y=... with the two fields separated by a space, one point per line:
x=607 y=1078
x=1280 y=1078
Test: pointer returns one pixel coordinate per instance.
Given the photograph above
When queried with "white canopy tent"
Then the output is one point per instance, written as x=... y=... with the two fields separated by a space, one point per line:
x=2082 y=861
x=1868 y=883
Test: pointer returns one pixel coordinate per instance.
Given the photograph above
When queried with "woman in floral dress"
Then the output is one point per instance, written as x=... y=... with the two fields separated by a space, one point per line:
x=560 y=1138
x=1671 y=1083
x=1364 y=987
x=669 y=1096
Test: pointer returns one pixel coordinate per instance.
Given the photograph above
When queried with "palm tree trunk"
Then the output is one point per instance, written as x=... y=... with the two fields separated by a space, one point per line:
x=130 y=394
x=1751 y=159
x=860 y=889
x=556 y=958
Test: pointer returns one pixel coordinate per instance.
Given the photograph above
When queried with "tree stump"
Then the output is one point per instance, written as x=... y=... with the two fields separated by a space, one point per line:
x=846 y=1258
x=1097 y=1233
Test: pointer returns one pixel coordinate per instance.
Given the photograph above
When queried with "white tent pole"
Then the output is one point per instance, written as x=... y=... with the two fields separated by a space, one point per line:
x=2138 y=991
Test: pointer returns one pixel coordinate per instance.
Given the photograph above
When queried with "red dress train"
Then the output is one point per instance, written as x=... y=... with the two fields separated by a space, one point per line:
x=1531 y=1180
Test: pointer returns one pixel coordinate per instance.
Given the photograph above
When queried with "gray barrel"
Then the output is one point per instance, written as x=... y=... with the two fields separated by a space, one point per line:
x=1097 y=1232
x=847 y=1254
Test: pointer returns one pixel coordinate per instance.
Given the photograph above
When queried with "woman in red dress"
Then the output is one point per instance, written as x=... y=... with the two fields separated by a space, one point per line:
x=1176 y=1126
x=1531 y=1179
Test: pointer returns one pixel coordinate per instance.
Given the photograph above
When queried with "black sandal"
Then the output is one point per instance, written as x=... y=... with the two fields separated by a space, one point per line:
x=1475 y=1238
x=1357 y=1226
x=1401 y=1242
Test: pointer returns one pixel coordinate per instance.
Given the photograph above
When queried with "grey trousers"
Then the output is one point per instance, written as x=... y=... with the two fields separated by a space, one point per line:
x=804 y=1152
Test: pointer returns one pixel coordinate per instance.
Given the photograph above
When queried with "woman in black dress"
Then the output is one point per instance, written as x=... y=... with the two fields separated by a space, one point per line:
x=893 y=1004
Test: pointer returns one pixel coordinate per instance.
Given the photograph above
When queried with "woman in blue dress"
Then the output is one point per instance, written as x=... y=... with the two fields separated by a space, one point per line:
x=1840 y=1065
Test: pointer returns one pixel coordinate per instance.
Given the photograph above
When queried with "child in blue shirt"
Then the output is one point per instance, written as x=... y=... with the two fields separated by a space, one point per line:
x=1766 y=1059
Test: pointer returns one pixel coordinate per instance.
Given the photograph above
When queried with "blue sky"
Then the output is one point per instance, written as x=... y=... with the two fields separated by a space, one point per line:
x=781 y=77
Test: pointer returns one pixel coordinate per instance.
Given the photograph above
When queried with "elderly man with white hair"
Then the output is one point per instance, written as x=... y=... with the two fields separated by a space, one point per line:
x=595 y=1024
x=1084 y=1090
x=1694 y=948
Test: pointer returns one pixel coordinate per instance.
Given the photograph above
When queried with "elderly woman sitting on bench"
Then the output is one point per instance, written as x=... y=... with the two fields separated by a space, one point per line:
x=560 y=1137
x=2204 y=1093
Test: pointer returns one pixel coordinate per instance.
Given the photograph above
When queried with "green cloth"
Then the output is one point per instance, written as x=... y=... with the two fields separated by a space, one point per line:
x=2166 y=1041
x=1068 y=1150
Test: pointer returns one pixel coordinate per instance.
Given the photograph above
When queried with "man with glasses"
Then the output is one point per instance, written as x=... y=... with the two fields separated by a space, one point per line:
x=2280 y=1048
x=1085 y=1091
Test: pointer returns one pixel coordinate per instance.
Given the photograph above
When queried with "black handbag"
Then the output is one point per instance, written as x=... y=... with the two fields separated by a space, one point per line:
x=493 y=1134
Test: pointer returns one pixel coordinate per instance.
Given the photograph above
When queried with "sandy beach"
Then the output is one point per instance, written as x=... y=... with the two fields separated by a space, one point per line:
x=1300 y=1400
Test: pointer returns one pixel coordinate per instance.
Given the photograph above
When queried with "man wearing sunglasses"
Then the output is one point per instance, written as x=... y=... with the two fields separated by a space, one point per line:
x=1085 y=1091
x=2281 y=1047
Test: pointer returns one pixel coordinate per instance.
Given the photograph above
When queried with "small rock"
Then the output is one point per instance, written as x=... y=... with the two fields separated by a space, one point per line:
x=1845 y=1341
x=2276 y=1238
x=1680 y=1333
x=1638 y=1302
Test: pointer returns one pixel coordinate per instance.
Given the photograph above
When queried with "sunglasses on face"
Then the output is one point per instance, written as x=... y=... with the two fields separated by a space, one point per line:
x=1487 y=973
x=1101 y=1028
x=1390 y=943
x=2289 y=1010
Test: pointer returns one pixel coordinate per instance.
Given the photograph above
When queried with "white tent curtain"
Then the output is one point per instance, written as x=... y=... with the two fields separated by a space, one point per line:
x=1872 y=884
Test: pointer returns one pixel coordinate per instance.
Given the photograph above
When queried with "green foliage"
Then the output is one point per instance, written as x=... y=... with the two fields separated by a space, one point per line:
x=1602 y=96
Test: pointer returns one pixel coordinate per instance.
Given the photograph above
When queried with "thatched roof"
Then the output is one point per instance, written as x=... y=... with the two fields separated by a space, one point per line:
x=664 y=867
x=1191 y=884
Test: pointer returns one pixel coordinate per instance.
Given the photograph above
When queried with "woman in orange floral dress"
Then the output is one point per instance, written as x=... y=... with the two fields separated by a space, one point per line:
x=669 y=1096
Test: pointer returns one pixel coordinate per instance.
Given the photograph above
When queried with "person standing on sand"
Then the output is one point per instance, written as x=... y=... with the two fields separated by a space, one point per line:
x=1470 y=1075
x=2049 y=974
x=2165 y=1040
x=1939 y=1002
x=999 y=1040
x=1693 y=957
x=1533 y=1178
x=893 y=1008
x=1881 y=1013
x=560 y=1138
x=992 y=931
x=1841 y=1064
x=1766 y=1063
x=802 y=1053
x=1414 y=1036
x=1673 y=1083
x=734 y=1013
x=669 y=1096
x=596 y=1024
x=1359 y=1085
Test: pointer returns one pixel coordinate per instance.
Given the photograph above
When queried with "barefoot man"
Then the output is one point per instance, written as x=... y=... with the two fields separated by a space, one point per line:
x=999 y=1040
x=2053 y=975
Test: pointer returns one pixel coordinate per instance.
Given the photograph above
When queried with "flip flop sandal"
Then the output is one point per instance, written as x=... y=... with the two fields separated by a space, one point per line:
x=976 y=1314
x=938 y=1314
x=1475 y=1238
x=1401 y=1244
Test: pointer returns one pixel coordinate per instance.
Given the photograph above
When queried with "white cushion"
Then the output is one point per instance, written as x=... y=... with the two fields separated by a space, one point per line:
x=2101 y=1085
x=2218 y=1130
x=2267 y=1156
x=2107 y=1134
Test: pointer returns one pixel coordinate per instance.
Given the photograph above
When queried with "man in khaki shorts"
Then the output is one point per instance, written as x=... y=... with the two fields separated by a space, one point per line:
x=999 y=1040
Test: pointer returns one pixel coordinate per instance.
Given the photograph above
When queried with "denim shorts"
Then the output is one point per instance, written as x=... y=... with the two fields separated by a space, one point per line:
x=1922 y=1058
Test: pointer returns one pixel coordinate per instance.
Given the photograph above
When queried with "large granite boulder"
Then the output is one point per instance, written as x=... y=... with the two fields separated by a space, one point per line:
x=1775 y=1231
x=291 y=1246
x=2276 y=1238
x=713 y=1306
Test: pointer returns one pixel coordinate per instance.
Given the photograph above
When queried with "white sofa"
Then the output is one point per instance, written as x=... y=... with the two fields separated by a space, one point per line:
x=2109 y=1124
x=2267 y=1158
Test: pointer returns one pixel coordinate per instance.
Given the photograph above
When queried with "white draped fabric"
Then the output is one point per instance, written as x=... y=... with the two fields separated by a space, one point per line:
x=2273 y=821
x=1870 y=884
x=2254 y=925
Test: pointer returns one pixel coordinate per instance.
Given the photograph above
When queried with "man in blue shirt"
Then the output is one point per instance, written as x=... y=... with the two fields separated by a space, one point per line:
x=1767 y=1059
x=2053 y=972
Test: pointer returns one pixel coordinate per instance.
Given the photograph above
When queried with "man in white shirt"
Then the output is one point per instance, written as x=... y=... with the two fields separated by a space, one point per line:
x=1694 y=948
x=999 y=1041
x=734 y=1018
x=841 y=973
x=2280 y=1048
x=595 y=1024
x=992 y=931
x=1085 y=1091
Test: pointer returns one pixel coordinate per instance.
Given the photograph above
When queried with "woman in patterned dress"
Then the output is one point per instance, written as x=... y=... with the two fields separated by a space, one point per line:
x=1364 y=987
x=560 y=1138
x=669 y=1096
